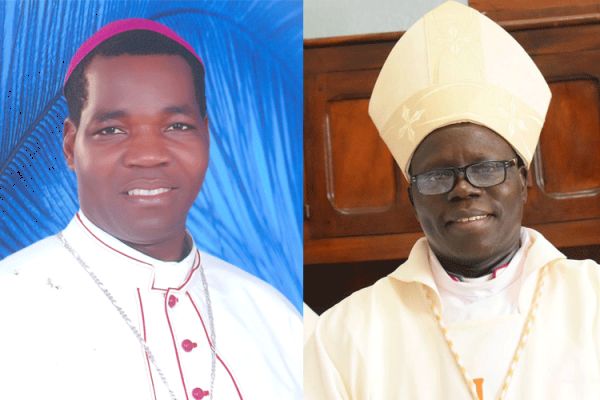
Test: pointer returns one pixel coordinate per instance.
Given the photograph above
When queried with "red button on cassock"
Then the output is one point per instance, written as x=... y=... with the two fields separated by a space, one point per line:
x=199 y=393
x=188 y=345
x=172 y=301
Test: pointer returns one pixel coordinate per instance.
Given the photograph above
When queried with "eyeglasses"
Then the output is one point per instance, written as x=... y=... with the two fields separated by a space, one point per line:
x=482 y=175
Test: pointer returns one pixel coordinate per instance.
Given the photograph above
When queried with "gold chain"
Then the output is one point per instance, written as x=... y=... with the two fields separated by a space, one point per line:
x=525 y=333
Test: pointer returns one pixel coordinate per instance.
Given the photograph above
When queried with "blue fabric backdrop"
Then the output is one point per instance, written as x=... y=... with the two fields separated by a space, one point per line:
x=249 y=209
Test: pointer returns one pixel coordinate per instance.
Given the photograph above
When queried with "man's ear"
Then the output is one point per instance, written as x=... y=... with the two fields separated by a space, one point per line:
x=69 y=134
x=412 y=202
x=523 y=174
x=206 y=124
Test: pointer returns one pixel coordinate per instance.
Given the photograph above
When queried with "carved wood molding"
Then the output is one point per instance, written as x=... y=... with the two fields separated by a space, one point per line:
x=529 y=19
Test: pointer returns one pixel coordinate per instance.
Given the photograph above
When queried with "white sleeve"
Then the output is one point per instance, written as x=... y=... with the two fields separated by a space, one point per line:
x=322 y=380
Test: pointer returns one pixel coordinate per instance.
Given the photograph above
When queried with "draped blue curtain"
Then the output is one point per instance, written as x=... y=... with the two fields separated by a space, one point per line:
x=249 y=209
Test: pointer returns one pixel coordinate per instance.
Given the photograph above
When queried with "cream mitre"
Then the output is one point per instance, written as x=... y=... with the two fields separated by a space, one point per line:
x=456 y=65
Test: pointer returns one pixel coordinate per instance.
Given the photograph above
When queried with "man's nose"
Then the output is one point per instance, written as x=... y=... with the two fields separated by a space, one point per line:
x=146 y=147
x=463 y=189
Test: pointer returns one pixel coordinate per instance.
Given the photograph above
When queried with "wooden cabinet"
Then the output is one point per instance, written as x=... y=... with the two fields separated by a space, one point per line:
x=356 y=207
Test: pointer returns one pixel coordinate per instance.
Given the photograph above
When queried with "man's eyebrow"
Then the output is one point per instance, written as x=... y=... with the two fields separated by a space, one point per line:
x=184 y=109
x=103 y=116
x=108 y=115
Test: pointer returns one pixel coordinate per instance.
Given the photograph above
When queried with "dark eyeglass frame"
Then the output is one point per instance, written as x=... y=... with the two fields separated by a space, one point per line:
x=464 y=171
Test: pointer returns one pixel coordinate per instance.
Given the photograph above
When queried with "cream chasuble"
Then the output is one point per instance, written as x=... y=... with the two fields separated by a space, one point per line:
x=61 y=338
x=491 y=304
x=383 y=342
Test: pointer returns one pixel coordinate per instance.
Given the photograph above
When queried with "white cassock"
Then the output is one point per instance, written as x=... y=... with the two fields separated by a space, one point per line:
x=383 y=342
x=310 y=320
x=62 y=338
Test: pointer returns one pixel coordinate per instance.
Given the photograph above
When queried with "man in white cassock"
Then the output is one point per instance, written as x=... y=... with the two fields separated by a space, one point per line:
x=121 y=304
x=483 y=308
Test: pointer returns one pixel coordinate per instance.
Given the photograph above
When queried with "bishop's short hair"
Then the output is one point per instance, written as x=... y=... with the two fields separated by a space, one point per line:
x=136 y=43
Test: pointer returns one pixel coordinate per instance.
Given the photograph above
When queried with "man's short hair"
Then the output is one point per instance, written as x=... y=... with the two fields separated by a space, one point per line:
x=137 y=43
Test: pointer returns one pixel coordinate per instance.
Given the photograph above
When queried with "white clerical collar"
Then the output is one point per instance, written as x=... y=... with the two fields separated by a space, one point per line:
x=165 y=274
x=484 y=286
x=480 y=298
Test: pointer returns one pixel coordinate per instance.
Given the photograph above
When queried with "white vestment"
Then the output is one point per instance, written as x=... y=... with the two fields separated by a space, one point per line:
x=310 y=319
x=61 y=338
x=383 y=342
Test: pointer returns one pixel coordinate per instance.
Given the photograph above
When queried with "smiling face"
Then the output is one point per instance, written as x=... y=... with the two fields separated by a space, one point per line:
x=469 y=226
x=140 y=151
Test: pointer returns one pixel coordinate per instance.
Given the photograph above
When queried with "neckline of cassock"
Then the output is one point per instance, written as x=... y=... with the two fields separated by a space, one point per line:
x=93 y=245
x=417 y=269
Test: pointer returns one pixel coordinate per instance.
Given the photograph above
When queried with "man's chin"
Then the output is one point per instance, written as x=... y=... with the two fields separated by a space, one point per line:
x=147 y=233
x=145 y=228
x=470 y=255
x=167 y=243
